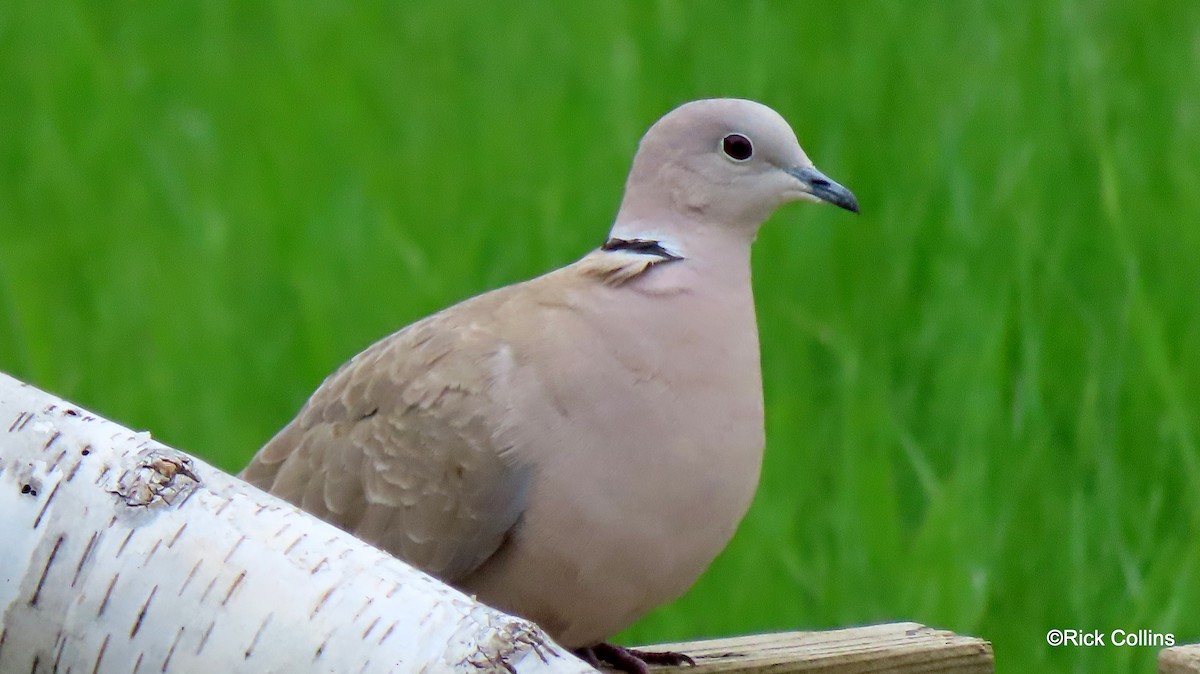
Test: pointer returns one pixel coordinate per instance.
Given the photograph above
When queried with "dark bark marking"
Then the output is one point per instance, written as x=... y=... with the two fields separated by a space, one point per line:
x=150 y=554
x=191 y=574
x=171 y=651
x=320 y=650
x=46 y=571
x=74 y=469
x=137 y=623
x=171 y=543
x=321 y=603
x=87 y=552
x=236 y=582
x=366 y=605
x=188 y=497
x=125 y=542
x=204 y=638
x=107 y=594
x=258 y=634
x=212 y=583
x=45 y=505
x=294 y=544
x=100 y=654
x=234 y=549
x=61 y=642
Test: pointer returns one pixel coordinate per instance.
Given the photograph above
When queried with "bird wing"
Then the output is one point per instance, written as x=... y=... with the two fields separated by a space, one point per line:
x=401 y=446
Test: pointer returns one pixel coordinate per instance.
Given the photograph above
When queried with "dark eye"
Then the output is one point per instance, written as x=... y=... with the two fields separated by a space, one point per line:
x=737 y=147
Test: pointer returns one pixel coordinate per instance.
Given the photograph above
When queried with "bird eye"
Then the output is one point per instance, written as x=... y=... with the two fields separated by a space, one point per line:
x=737 y=147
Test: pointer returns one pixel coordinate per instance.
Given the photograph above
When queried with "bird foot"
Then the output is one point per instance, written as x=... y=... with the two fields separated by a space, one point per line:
x=629 y=660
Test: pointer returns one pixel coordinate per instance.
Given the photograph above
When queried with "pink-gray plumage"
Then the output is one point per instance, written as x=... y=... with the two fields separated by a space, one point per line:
x=575 y=449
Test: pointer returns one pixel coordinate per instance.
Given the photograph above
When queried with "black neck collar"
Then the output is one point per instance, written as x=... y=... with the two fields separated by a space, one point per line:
x=641 y=247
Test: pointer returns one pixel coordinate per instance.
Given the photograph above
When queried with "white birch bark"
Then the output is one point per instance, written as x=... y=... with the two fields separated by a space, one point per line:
x=119 y=554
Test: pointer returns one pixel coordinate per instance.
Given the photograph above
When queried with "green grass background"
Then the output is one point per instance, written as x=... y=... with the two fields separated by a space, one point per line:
x=982 y=393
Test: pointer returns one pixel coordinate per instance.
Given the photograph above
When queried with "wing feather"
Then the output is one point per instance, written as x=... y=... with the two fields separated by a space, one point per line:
x=401 y=447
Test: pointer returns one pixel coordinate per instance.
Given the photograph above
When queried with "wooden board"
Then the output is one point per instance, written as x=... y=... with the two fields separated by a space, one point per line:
x=1179 y=660
x=896 y=648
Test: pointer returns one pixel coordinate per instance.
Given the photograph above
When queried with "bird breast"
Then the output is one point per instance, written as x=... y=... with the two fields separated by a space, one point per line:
x=647 y=456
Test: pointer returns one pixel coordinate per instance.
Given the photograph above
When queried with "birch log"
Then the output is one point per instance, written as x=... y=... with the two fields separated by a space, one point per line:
x=120 y=554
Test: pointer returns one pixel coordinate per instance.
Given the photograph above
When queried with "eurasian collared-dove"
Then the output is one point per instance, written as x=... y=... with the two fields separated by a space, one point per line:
x=575 y=449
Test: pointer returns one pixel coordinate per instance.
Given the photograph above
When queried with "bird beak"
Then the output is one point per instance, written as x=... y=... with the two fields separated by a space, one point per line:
x=821 y=188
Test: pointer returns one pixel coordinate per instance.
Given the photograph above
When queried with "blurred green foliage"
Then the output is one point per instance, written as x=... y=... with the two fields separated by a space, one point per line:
x=982 y=393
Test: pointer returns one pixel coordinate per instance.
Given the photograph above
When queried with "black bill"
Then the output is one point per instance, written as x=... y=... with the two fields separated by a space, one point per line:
x=820 y=186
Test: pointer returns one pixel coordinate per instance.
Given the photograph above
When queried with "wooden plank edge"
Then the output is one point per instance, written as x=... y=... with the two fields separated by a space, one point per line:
x=892 y=647
x=1183 y=659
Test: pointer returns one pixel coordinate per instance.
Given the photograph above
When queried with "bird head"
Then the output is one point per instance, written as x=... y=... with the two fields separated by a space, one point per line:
x=725 y=162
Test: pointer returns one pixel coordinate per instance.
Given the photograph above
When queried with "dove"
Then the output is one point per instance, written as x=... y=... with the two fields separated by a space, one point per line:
x=574 y=449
